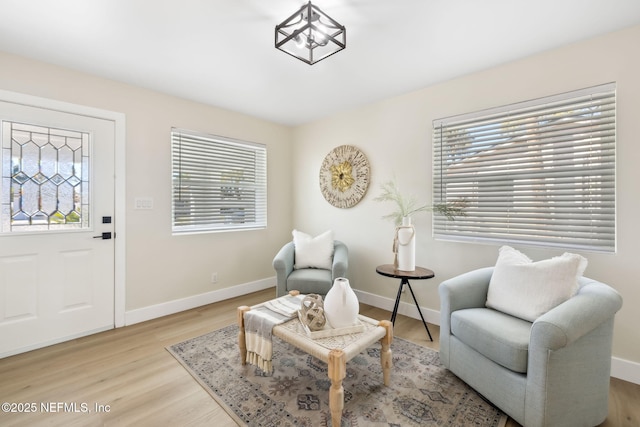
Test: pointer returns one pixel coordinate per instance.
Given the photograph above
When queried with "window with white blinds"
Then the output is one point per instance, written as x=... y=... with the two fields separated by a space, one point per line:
x=540 y=172
x=218 y=183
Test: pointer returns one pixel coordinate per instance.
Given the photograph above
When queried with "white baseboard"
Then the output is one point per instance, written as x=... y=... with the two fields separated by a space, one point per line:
x=405 y=308
x=625 y=370
x=620 y=368
x=175 y=306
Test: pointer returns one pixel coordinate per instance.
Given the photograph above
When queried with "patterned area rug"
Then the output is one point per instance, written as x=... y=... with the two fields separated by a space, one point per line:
x=422 y=392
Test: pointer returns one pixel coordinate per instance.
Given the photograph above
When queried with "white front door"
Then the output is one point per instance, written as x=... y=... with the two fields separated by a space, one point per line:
x=57 y=200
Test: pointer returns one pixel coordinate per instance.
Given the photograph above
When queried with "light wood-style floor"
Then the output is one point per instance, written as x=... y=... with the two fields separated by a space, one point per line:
x=125 y=377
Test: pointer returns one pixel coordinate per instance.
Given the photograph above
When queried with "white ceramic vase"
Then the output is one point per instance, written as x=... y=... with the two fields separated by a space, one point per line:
x=406 y=245
x=341 y=304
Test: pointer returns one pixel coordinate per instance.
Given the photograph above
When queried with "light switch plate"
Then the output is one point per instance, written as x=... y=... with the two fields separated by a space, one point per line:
x=144 y=203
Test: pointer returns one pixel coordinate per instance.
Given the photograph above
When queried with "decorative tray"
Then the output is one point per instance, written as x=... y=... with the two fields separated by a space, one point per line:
x=328 y=331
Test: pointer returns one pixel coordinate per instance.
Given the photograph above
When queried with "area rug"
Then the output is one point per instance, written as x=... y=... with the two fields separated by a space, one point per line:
x=421 y=393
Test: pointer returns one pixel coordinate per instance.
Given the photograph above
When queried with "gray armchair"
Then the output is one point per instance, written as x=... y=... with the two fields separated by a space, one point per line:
x=552 y=372
x=308 y=280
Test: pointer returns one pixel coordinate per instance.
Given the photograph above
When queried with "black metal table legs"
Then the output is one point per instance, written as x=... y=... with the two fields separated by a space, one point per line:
x=395 y=307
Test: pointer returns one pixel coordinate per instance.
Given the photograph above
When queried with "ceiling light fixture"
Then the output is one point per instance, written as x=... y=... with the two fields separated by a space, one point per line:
x=310 y=35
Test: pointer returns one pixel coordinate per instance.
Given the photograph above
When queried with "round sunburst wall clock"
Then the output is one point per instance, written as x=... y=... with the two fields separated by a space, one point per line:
x=344 y=176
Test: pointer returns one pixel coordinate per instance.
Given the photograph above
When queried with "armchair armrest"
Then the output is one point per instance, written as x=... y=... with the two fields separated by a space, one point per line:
x=593 y=305
x=340 y=264
x=468 y=290
x=570 y=353
x=283 y=264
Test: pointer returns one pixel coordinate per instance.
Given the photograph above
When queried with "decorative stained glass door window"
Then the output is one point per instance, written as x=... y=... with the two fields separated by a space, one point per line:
x=45 y=178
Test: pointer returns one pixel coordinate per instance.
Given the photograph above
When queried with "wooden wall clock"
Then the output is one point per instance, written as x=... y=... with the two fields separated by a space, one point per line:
x=344 y=176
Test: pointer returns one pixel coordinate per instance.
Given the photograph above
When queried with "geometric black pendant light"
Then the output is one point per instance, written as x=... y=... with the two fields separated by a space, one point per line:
x=310 y=35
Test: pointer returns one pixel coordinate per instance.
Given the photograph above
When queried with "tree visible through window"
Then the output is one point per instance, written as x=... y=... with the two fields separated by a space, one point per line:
x=540 y=172
x=218 y=183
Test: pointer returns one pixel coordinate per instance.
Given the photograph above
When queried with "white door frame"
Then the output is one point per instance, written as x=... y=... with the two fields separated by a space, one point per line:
x=120 y=185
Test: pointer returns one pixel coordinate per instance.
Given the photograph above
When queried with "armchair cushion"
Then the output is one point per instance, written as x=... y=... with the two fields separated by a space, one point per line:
x=310 y=281
x=313 y=252
x=528 y=289
x=496 y=335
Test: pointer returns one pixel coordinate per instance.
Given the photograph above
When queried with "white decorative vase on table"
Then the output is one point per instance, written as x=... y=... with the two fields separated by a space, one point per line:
x=404 y=246
x=341 y=304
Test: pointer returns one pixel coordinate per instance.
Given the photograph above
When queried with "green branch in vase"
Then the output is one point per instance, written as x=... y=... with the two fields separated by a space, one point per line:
x=406 y=206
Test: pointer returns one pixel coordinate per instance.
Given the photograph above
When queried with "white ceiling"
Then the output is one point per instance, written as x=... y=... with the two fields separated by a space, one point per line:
x=221 y=52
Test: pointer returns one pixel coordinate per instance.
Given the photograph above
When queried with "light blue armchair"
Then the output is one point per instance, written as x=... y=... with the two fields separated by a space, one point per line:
x=552 y=372
x=308 y=280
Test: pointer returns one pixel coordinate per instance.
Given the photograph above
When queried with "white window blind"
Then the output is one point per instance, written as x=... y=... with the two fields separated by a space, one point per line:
x=218 y=183
x=540 y=172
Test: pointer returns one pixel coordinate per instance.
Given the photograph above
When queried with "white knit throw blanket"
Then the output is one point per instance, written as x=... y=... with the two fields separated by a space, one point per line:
x=258 y=327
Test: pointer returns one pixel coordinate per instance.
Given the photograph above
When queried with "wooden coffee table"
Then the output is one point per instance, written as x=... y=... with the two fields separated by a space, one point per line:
x=336 y=351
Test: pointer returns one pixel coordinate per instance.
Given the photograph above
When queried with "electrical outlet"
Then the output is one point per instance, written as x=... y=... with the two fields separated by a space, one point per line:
x=214 y=277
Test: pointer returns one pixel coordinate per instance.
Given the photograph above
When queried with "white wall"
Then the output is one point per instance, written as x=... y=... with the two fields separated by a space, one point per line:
x=396 y=136
x=161 y=268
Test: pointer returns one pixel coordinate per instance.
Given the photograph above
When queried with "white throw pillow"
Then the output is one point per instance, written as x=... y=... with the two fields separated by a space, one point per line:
x=313 y=252
x=527 y=289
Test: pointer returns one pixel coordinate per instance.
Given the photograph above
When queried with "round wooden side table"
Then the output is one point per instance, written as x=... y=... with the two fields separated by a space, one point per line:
x=419 y=273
